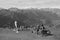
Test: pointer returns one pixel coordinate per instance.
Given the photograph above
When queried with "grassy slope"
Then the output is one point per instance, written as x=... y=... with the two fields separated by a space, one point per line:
x=10 y=35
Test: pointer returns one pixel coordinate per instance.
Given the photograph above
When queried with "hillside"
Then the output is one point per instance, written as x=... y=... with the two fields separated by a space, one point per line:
x=27 y=16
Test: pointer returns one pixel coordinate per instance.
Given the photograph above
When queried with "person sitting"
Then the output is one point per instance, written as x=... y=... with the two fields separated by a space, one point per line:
x=45 y=32
x=40 y=28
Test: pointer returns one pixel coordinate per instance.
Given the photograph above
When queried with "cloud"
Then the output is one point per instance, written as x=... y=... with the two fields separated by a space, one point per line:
x=29 y=3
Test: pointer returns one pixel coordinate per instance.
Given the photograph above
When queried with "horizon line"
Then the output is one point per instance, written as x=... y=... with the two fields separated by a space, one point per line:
x=30 y=7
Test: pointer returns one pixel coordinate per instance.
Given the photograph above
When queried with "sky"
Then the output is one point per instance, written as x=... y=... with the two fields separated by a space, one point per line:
x=30 y=3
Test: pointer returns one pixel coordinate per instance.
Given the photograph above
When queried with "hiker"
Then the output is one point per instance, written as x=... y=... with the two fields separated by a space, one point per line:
x=39 y=29
x=36 y=29
x=46 y=33
x=20 y=28
x=33 y=29
x=16 y=26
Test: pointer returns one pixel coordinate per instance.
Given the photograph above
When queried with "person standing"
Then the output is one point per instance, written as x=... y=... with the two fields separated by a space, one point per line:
x=16 y=27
